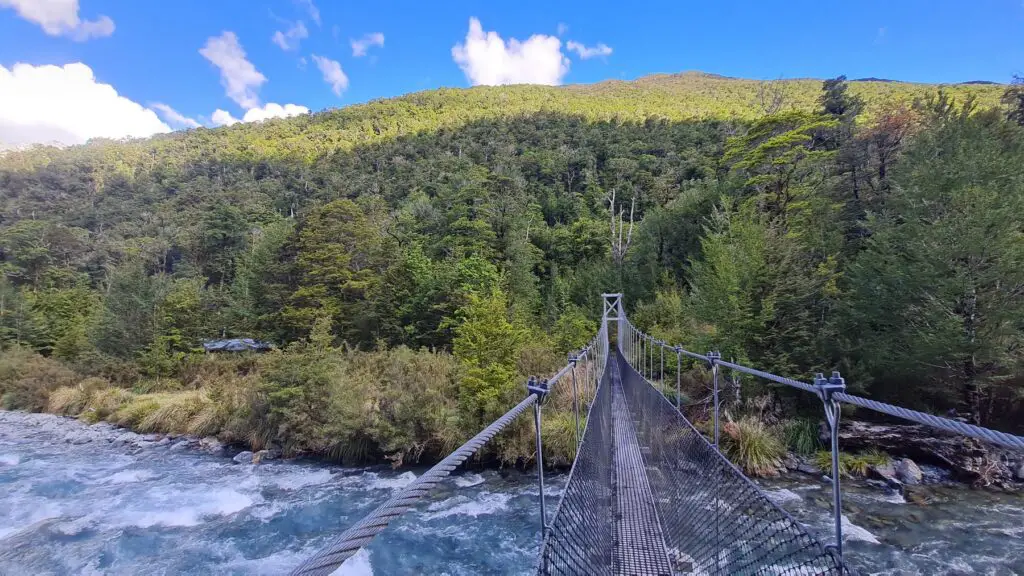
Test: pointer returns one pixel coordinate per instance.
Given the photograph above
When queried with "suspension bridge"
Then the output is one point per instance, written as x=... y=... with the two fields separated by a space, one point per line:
x=648 y=494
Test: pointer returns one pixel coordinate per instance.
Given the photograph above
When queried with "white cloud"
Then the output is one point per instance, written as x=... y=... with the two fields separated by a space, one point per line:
x=223 y=118
x=173 y=116
x=290 y=40
x=359 y=47
x=271 y=110
x=60 y=18
x=587 y=52
x=486 y=59
x=562 y=28
x=239 y=77
x=314 y=12
x=66 y=104
x=333 y=74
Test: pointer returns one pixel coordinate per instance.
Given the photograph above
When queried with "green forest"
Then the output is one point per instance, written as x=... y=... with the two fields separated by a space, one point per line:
x=414 y=260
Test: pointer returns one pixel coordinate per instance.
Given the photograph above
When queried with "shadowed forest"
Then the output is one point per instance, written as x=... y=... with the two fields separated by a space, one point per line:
x=414 y=260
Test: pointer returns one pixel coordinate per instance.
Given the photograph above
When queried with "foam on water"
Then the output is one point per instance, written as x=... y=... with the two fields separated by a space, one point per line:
x=295 y=478
x=485 y=503
x=853 y=532
x=468 y=480
x=9 y=460
x=189 y=509
x=376 y=482
x=782 y=495
x=357 y=565
x=130 y=476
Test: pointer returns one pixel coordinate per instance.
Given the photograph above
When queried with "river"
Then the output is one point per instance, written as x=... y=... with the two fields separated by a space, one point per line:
x=93 y=500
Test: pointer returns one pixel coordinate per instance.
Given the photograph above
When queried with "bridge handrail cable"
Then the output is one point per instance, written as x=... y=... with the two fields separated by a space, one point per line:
x=1003 y=439
x=329 y=558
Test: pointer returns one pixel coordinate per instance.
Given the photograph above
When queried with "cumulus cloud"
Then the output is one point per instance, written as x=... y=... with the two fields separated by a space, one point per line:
x=485 y=58
x=311 y=9
x=239 y=77
x=290 y=39
x=587 y=52
x=174 y=117
x=333 y=74
x=66 y=105
x=60 y=18
x=360 y=46
x=223 y=118
x=271 y=110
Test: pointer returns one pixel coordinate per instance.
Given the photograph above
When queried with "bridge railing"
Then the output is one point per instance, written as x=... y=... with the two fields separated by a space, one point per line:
x=584 y=367
x=645 y=353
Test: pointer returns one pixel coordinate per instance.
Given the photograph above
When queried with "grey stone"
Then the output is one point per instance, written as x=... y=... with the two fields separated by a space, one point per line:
x=1018 y=472
x=180 y=445
x=211 y=445
x=887 y=473
x=791 y=462
x=243 y=458
x=265 y=455
x=907 y=471
x=808 y=469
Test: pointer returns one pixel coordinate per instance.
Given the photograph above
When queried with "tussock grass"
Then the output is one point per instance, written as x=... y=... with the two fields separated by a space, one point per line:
x=753 y=446
x=133 y=412
x=103 y=403
x=802 y=436
x=67 y=401
x=174 y=412
x=851 y=464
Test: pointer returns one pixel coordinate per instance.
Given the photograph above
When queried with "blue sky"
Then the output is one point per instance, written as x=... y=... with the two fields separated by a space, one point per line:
x=149 y=52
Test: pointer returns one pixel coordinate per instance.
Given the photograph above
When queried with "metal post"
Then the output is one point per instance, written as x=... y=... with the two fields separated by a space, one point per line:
x=575 y=398
x=650 y=359
x=541 y=390
x=713 y=358
x=679 y=373
x=661 y=373
x=826 y=389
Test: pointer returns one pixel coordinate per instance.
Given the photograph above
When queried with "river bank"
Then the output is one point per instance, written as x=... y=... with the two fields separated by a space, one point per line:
x=99 y=500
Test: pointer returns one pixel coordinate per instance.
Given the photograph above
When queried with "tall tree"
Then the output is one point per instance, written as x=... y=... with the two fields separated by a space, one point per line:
x=940 y=289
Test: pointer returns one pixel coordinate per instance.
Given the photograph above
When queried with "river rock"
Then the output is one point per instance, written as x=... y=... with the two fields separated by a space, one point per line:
x=907 y=471
x=969 y=460
x=887 y=473
x=211 y=445
x=264 y=455
x=806 y=467
x=1019 y=472
x=791 y=462
x=244 y=457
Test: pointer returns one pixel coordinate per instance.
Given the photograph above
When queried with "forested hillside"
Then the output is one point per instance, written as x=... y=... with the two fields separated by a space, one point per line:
x=415 y=259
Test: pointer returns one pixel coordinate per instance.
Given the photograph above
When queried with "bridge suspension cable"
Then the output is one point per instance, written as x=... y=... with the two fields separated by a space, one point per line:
x=329 y=558
x=832 y=392
x=647 y=492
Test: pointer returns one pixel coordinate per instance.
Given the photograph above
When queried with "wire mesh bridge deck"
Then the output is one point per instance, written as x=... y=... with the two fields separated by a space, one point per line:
x=649 y=494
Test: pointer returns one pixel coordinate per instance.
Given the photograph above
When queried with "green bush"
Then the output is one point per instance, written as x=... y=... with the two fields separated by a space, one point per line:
x=27 y=378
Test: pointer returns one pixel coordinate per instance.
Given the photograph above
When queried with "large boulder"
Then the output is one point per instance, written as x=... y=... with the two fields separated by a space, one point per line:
x=907 y=471
x=968 y=459
x=887 y=473
x=244 y=457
